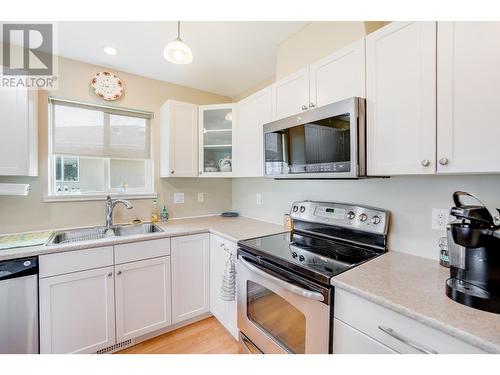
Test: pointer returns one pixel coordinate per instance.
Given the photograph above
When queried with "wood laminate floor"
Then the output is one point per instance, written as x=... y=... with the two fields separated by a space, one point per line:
x=207 y=336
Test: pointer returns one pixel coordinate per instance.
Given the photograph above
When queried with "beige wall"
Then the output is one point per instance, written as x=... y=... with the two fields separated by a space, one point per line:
x=30 y=213
x=317 y=40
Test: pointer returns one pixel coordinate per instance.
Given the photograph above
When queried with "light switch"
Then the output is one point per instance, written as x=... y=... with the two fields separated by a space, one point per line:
x=178 y=198
x=201 y=197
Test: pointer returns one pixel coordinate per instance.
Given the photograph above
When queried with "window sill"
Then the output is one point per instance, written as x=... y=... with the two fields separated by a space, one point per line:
x=96 y=197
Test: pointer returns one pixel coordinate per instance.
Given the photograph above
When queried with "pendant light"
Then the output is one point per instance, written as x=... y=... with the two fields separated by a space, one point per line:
x=177 y=51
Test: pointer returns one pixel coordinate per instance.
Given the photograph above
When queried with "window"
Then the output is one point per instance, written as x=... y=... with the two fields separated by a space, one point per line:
x=97 y=150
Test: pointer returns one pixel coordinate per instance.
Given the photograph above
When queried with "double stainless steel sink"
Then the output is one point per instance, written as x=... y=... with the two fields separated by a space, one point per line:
x=98 y=233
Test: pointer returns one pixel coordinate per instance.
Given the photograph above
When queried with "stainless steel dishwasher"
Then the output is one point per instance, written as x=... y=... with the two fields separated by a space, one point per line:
x=19 y=306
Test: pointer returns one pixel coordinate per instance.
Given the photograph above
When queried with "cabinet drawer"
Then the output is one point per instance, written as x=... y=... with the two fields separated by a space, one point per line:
x=74 y=261
x=398 y=332
x=134 y=251
x=347 y=340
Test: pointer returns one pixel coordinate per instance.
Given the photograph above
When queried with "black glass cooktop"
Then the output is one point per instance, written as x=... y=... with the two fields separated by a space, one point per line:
x=313 y=257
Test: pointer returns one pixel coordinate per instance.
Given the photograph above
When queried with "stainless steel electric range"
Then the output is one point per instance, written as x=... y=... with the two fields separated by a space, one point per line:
x=285 y=295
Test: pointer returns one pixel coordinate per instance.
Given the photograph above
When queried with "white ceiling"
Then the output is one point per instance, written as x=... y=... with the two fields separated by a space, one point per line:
x=229 y=57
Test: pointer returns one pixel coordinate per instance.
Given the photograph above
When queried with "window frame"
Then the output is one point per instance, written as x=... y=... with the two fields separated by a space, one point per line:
x=149 y=171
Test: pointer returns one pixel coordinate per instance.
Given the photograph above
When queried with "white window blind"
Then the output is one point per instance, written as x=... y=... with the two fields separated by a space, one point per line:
x=98 y=131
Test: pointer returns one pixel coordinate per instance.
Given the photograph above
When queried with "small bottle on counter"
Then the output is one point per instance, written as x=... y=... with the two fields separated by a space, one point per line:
x=164 y=213
x=155 y=214
x=444 y=255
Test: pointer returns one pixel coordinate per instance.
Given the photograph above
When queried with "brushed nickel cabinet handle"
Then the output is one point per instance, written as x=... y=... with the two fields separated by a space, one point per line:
x=304 y=107
x=110 y=274
x=312 y=105
x=425 y=163
x=443 y=161
x=119 y=273
x=406 y=340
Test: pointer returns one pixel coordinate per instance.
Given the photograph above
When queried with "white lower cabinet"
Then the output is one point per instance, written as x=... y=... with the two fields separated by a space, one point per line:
x=190 y=276
x=351 y=341
x=143 y=297
x=77 y=312
x=224 y=311
x=389 y=329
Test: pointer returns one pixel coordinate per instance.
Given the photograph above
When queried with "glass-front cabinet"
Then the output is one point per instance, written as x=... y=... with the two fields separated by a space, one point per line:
x=217 y=124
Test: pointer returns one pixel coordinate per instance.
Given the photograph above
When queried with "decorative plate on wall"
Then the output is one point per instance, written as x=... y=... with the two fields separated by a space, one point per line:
x=107 y=86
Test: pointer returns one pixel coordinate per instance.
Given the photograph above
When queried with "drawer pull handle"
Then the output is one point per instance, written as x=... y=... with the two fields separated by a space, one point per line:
x=406 y=341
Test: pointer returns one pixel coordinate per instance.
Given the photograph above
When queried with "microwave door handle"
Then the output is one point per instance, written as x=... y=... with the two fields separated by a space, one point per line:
x=290 y=287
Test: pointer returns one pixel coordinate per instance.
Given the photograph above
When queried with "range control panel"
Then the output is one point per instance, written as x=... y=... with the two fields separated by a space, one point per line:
x=365 y=218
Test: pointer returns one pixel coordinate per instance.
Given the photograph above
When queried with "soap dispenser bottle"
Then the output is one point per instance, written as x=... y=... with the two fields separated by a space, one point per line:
x=155 y=214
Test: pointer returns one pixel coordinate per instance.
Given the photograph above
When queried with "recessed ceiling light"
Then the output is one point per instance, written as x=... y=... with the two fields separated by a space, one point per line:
x=110 y=51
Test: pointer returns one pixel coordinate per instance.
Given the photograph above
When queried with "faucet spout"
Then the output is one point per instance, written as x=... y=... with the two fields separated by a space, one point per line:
x=110 y=205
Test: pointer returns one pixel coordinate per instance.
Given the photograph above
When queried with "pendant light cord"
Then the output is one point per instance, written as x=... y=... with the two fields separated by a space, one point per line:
x=178 y=29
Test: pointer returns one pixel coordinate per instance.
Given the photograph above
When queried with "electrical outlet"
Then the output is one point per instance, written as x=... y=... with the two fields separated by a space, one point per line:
x=258 y=199
x=440 y=217
x=178 y=198
x=201 y=197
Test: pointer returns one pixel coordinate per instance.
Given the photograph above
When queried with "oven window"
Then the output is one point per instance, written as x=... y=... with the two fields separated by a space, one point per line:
x=281 y=320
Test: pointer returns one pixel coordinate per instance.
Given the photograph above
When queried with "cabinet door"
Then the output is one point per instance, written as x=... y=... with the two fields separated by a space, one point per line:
x=216 y=133
x=143 y=297
x=77 y=312
x=231 y=306
x=190 y=276
x=401 y=99
x=291 y=94
x=339 y=76
x=347 y=340
x=224 y=311
x=253 y=113
x=217 y=263
x=18 y=132
x=179 y=139
x=468 y=82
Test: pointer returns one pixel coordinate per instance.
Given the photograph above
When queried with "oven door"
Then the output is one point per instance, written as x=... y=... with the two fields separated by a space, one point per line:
x=278 y=315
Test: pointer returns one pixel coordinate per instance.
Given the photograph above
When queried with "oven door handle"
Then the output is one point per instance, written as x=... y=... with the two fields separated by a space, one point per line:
x=290 y=287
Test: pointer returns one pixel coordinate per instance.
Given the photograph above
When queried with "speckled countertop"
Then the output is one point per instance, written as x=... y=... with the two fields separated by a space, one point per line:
x=415 y=287
x=233 y=229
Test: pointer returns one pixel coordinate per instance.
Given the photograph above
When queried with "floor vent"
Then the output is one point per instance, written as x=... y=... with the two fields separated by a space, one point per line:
x=112 y=348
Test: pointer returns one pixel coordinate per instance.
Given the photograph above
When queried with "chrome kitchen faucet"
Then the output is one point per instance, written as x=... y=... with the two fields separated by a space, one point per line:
x=110 y=205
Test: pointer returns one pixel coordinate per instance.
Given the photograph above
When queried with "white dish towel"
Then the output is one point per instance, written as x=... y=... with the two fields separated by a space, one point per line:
x=228 y=286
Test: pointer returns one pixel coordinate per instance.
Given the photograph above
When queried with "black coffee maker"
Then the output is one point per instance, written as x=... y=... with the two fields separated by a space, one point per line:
x=474 y=245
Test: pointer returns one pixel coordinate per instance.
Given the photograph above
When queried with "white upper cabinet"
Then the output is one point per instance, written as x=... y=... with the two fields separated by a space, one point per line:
x=143 y=297
x=190 y=276
x=253 y=112
x=18 y=132
x=291 y=94
x=339 y=76
x=217 y=138
x=468 y=106
x=178 y=139
x=401 y=99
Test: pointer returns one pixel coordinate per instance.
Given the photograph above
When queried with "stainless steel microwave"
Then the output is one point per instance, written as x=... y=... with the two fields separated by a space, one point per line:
x=324 y=142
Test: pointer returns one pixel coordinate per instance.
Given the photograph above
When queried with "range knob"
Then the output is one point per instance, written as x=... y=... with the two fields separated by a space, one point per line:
x=363 y=217
x=375 y=219
x=294 y=255
x=295 y=208
x=301 y=258
x=302 y=208
x=351 y=215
